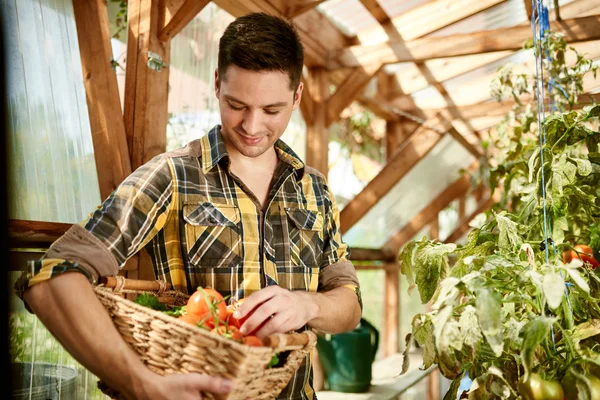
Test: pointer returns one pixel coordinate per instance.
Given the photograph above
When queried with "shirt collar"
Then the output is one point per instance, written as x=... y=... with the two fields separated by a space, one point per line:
x=213 y=151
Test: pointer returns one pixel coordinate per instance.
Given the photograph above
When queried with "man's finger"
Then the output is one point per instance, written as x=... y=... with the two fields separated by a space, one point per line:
x=255 y=300
x=211 y=384
x=277 y=324
x=263 y=313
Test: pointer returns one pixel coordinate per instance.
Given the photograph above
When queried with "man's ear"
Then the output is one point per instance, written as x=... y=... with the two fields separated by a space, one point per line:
x=298 y=96
x=217 y=83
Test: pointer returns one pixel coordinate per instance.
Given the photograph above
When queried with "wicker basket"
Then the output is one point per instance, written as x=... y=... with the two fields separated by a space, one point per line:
x=168 y=346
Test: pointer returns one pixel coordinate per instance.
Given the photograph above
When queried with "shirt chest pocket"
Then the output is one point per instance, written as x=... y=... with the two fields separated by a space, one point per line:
x=213 y=235
x=305 y=237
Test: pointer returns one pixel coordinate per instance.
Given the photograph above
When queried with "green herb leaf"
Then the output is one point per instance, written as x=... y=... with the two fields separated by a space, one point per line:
x=534 y=333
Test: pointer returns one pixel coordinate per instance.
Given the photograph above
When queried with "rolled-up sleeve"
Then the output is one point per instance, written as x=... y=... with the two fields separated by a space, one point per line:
x=336 y=270
x=125 y=222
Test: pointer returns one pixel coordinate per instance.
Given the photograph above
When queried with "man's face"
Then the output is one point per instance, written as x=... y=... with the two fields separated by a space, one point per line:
x=256 y=108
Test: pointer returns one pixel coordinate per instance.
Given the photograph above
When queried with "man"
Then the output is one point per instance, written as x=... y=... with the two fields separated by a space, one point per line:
x=236 y=210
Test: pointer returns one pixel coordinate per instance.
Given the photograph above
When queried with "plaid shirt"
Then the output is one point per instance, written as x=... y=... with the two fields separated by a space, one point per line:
x=203 y=227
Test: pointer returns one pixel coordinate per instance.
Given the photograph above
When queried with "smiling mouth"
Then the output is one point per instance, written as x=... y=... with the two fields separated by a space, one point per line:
x=250 y=141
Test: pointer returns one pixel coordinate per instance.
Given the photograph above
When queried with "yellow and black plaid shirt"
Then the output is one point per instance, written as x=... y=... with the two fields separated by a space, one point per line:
x=203 y=227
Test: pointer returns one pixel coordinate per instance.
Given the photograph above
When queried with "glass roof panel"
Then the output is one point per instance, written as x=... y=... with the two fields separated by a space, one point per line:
x=504 y=15
x=350 y=16
x=393 y=8
x=418 y=188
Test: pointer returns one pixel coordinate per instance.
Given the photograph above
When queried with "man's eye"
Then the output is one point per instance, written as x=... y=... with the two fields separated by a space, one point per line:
x=271 y=112
x=236 y=108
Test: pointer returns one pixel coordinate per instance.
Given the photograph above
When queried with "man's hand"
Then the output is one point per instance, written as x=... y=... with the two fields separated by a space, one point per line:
x=182 y=387
x=276 y=310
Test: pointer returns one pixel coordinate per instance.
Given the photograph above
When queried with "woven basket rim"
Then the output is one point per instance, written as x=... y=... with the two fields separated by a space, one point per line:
x=190 y=329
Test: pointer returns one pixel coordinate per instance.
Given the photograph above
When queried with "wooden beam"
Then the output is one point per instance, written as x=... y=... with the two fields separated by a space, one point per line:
x=318 y=34
x=307 y=106
x=349 y=90
x=460 y=138
x=102 y=93
x=360 y=254
x=575 y=30
x=495 y=108
x=411 y=152
x=428 y=214
x=317 y=134
x=528 y=8
x=463 y=226
x=21 y=232
x=146 y=89
x=301 y=7
x=391 y=316
x=176 y=14
x=376 y=11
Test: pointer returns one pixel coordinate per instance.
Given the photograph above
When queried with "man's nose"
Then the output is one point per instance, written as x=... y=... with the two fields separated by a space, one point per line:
x=252 y=122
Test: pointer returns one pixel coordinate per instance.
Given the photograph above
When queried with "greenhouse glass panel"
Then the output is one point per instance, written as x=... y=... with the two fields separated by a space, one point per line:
x=419 y=187
x=52 y=171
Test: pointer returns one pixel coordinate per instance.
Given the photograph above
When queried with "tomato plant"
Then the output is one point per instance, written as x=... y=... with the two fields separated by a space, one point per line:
x=517 y=299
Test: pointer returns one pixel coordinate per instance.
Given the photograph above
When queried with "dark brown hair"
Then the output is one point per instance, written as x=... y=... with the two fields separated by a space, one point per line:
x=262 y=42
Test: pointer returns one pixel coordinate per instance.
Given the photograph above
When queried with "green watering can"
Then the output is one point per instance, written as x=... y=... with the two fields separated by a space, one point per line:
x=347 y=358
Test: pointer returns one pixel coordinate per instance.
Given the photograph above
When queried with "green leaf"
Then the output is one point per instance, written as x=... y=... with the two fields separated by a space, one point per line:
x=422 y=329
x=406 y=354
x=554 y=289
x=534 y=333
x=405 y=259
x=511 y=332
x=592 y=111
x=490 y=318
x=150 y=301
x=453 y=389
x=584 y=167
x=573 y=271
x=447 y=292
x=431 y=262
x=469 y=327
x=533 y=164
x=509 y=238
x=577 y=134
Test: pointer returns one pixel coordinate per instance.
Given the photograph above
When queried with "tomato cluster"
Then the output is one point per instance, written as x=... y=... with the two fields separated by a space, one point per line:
x=537 y=388
x=207 y=308
x=583 y=252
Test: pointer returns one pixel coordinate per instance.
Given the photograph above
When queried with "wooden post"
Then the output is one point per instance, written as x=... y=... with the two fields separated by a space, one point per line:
x=317 y=134
x=102 y=93
x=146 y=89
x=391 y=315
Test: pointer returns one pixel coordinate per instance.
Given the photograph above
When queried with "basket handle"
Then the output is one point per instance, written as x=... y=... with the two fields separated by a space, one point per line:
x=282 y=341
x=121 y=283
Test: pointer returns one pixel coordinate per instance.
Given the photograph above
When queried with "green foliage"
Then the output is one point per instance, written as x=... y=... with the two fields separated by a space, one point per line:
x=502 y=308
x=150 y=301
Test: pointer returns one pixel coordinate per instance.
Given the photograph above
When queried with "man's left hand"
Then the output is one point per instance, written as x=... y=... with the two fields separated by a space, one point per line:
x=276 y=310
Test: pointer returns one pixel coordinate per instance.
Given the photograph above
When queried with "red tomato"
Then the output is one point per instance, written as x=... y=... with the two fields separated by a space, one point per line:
x=192 y=319
x=207 y=301
x=231 y=309
x=253 y=341
x=229 y=332
x=585 y=254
